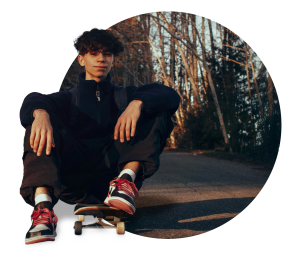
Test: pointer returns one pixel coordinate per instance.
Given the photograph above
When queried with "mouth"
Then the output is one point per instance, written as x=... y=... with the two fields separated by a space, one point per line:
x=100 y=67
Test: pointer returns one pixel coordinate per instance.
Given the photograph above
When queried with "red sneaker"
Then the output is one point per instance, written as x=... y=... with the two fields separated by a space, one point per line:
x=120 y=195
x=43 y=226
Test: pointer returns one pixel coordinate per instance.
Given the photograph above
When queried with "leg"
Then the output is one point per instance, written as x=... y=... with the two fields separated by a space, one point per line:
x=142 y=152
x=37 y=187
x=43 y=198
x=42 y=228
x=39 y=171
x=66 y=172
x=134 y=166
x=147 y=144
x=40 y=191
x=43 y=177
x=130 y=171
x=43 y=195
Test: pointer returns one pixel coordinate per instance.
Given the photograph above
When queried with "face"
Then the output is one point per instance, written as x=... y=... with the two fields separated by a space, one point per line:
x=96 y=65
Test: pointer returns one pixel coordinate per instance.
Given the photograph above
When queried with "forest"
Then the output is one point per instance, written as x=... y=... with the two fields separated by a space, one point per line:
x=228 y=99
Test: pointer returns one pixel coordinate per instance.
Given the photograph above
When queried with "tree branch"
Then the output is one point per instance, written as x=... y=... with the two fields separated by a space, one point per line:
x=129 y=71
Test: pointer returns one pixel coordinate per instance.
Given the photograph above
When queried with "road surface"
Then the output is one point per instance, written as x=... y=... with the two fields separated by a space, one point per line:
x=192 y=194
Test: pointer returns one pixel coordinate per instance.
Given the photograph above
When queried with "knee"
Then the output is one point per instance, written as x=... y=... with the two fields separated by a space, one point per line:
x=160 y=123
x=165 y=119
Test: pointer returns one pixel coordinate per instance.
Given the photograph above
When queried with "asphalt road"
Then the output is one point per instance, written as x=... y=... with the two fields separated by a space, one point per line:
x=192 y=194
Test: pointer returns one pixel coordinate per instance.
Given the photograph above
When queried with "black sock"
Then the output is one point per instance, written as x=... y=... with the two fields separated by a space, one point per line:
x=127 y=177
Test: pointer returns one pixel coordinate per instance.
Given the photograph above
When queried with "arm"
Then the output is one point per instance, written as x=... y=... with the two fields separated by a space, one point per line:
x=128 y=120
x=41 y=131
x=55 y=104
x=36 y=110
x=153 y=98
x=156 y=98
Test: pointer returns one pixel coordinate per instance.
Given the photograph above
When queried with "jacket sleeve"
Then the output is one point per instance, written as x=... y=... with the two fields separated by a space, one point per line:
x=156 y=98
x=56 y=104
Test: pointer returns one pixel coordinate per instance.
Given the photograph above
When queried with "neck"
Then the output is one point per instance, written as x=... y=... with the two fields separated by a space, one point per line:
x=97 y=79
x=89 y=86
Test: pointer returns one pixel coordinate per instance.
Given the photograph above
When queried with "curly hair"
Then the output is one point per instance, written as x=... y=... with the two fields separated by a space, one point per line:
x=98 y=40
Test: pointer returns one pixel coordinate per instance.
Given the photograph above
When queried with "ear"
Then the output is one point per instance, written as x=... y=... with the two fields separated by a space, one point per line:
x=81 y=60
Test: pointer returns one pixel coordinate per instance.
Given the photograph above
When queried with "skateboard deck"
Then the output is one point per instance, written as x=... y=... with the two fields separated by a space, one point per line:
x=102 y=212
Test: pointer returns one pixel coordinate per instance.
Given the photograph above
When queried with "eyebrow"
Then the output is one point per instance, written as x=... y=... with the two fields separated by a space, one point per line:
x=101 y=50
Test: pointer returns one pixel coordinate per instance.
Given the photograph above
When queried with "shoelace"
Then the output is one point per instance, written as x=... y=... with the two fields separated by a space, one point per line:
x=43 y=216
x=125 y=185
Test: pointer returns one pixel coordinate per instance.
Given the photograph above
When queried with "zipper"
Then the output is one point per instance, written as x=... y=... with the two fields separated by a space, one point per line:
x=98 y=100
x=98 y=94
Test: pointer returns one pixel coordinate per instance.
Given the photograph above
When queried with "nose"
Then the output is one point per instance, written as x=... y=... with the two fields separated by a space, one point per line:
x=101 y=57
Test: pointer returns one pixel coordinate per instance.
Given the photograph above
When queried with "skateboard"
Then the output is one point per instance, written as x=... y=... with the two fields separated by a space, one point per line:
x=102 y=212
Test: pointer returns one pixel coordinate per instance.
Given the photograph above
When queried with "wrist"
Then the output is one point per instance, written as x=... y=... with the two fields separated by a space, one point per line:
x=138 y=103
x=38 y=112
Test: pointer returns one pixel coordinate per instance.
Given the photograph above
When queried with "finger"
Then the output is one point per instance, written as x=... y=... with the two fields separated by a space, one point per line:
x=128 y=124
x=117 y=129
x=36 y=141
x=133 y=127
x=122 y=128
x=42 y=142
x=53 y=143
x=31 y=138
x=49 y=142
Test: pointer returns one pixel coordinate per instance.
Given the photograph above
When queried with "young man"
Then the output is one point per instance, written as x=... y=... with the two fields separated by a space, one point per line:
x=74 y=146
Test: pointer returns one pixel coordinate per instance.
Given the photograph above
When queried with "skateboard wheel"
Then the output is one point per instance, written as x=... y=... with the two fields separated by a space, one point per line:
x=120 y=228
x=78 y=228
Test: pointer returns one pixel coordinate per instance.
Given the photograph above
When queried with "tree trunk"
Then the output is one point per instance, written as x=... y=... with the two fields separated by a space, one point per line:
x=148 y=53
x=211 y=40
x=214 y=94
x=270 y=94
x=194 y=59
x=211 y=84
x=217 y=105
x=172 y=140
x=172 y=54
x=186 y=66
x=256 y=87
x=187 y=69
x=250 y=95
x=224 y=63
x=203 y=42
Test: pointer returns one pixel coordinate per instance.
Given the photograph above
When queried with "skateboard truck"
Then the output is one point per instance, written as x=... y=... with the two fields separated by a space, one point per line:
x=102 y=212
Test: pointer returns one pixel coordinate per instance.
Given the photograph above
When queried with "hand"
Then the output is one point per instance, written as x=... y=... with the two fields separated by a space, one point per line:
x=128 y=120
x=41 y=130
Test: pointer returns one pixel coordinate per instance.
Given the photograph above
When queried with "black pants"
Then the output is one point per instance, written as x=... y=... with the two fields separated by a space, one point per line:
x=79 y=171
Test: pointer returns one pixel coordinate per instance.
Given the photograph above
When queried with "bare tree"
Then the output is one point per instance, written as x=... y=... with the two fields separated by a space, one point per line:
x=215 y=73
x=185 y=62
x=172 y=31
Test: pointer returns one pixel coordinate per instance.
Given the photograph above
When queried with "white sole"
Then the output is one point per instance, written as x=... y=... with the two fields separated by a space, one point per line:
x=106 y=201
x=27 y=240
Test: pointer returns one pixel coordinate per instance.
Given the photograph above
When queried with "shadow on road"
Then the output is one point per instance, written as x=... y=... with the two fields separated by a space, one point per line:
x=192 y=217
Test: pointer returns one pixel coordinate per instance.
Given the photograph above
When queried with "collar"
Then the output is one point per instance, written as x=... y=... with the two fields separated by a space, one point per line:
x=90 y=86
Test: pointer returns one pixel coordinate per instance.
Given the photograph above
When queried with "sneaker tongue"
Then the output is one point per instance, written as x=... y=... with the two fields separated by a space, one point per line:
x=43 y=205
